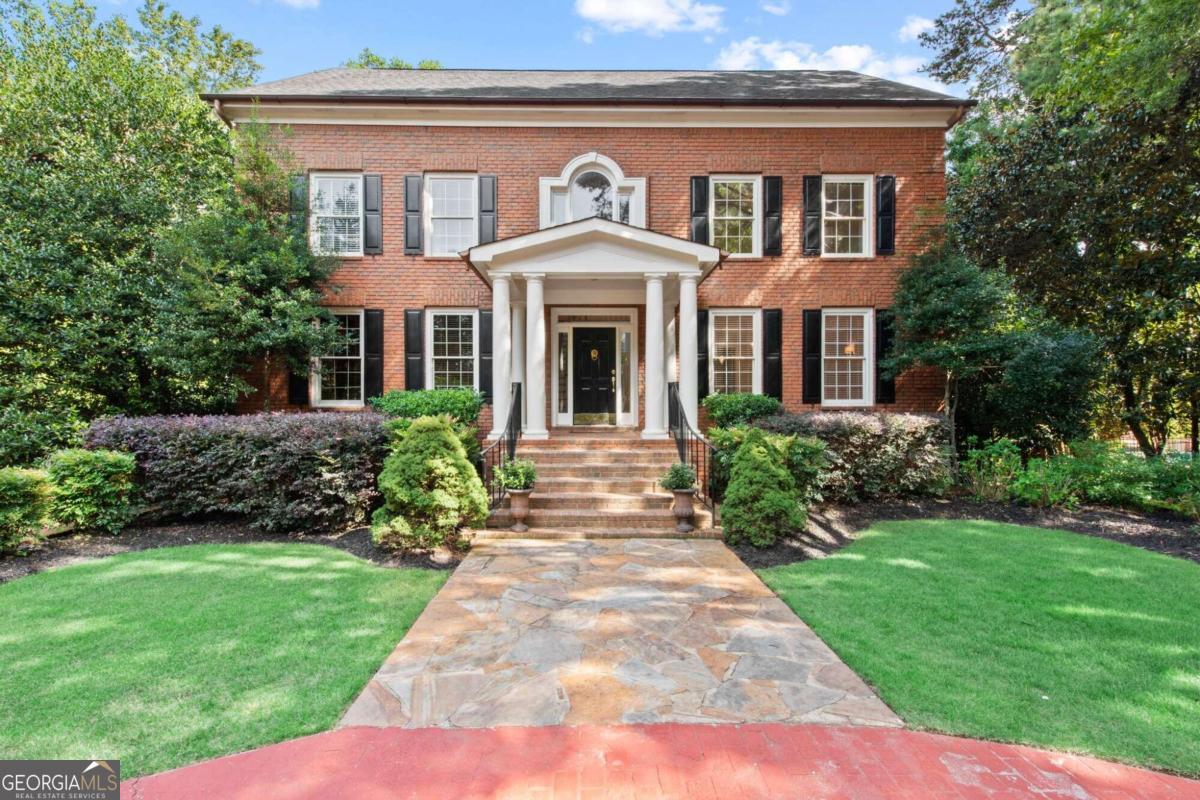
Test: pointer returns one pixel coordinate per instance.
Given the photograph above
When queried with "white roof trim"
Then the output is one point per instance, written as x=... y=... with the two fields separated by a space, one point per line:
x=593 y=247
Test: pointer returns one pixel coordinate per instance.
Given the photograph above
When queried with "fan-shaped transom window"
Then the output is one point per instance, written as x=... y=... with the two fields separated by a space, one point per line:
x=592 y=185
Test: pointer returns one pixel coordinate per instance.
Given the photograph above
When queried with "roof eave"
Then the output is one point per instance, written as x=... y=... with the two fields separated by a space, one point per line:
x=948 y=102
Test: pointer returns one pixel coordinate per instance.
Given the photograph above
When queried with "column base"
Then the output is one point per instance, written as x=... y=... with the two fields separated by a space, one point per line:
x=659 y=435
x=535 y=435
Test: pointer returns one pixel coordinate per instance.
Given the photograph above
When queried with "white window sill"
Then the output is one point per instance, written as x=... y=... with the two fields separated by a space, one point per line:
x=340 y=404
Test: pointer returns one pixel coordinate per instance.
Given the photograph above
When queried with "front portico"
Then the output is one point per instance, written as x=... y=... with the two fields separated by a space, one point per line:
x=598 y=299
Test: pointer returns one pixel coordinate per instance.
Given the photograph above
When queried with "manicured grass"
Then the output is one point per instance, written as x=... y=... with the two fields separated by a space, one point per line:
x=164 y=657
x=1017 y=634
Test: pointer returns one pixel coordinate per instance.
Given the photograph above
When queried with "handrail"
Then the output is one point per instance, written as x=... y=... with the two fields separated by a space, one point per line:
x=694 y=449
x=501 y=451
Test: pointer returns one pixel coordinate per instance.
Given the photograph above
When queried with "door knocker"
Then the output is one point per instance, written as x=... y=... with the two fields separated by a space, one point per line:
x=595 y=355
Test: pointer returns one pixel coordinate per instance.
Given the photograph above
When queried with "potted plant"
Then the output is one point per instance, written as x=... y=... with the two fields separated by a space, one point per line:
x=517 y=478
x=681 y=480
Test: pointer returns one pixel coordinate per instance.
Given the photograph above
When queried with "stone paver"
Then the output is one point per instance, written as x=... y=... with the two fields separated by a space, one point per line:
x=533 y=633
x=654 y=762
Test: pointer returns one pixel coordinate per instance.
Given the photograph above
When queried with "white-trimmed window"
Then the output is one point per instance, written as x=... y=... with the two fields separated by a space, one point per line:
x=338 y=377
x=734 y=350
x=846 y=215
x=336 y=214
x=452 y=218
x=847 y=353
x=735 y=214
x=592 y=185
x=452 y=349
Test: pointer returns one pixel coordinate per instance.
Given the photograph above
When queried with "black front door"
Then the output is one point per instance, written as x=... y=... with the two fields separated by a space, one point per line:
x=595 y=386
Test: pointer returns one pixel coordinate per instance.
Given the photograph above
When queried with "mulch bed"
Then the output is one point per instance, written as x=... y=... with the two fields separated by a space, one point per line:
x=72 y=548
x=833 y=527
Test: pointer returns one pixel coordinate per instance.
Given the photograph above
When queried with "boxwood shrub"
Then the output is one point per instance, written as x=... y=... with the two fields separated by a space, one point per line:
x=282 y=471
x=24 y=499
x=874 y=454
x=92 y=489
x=727 y=410
x=463 y=405
x=763 y=501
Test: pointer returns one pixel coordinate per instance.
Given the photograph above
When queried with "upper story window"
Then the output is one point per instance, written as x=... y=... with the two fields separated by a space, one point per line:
x=846 y=360
x=338 y=379
x=592 y=185
x=735 y=214
x=845 y=215
x=452 y=219
x=735 y=355
x=336 y=214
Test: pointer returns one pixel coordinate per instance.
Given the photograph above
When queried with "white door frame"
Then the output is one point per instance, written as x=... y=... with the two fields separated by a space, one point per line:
x=631 y=327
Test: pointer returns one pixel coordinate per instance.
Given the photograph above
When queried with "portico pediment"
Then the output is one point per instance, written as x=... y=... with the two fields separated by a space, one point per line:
x=593 y=247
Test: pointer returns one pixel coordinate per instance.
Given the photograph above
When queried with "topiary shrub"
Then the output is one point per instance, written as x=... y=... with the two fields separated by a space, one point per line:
x=24 y=500
x=284 y=472
x=462 y=405
x=428 y=483
x=762 y=500
x=92 y=489
x=467 y=434
x=874 y=454
x=727 y=410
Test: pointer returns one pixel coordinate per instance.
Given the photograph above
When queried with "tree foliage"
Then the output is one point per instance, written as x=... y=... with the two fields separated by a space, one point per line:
x=369 y=59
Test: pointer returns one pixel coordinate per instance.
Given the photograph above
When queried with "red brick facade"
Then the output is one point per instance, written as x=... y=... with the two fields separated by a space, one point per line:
x=667 y=158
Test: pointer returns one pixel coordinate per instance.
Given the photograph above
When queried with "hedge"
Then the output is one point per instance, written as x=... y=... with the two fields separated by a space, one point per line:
x=463 y=405
x=24 y=498
x=874 y=454
x=92 y=489
x=282 y=471
x=727 y=410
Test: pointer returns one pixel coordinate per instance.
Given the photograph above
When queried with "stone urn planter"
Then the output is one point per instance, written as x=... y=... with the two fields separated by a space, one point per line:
x=518 y=505
x=684 y=509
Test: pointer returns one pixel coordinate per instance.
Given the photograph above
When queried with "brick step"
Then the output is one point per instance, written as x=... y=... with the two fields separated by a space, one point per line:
x=576 y=470
x=587 y=518
x=600 y=501
x=595 y=430
x=595 y=533
x=596 y=443
x=663 y=458
x=572 y=484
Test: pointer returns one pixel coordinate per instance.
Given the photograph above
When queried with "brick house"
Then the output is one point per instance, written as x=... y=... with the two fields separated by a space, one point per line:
x=599 y=236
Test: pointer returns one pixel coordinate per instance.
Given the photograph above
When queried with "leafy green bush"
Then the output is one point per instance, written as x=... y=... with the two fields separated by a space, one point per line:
x=428 y=483
x=1048 y=482
x=466 y=433
x=517 y=474
x=463 y=405
x=727 y=410
x=28 y=435
x=762 y=500
x=987 y=472
x=92 y=489
x=873 y=455
x=680 y=477
x=24 y=499
x=1175 y=484
x=804 y=456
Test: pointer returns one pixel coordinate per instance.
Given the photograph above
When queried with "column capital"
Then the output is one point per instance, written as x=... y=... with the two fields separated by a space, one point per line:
x=685 y=278
x=654 y=276
x=536 y=277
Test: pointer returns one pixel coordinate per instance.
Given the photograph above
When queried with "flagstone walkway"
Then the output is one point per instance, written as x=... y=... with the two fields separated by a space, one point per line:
x=594 y=632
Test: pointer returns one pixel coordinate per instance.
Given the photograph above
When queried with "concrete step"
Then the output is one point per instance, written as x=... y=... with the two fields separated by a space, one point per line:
x=594 y=533
x=599 y=520
x=663 y=458
x=650 y=472
x=600 y=501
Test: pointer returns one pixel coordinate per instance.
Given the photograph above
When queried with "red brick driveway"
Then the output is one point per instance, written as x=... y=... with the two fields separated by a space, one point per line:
x=812 y=762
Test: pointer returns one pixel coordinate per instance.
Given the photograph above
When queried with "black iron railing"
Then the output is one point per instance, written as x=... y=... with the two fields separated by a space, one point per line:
x=694 y=449
x=501 y=451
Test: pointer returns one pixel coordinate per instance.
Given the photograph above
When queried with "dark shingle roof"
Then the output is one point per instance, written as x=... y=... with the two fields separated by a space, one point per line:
x=775 y=87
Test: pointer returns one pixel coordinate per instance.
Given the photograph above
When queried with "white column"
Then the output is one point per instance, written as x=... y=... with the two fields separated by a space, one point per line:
x=535 y=359
x=518 y=352
x=688 y=347
x=656 y=386
x=501 y=358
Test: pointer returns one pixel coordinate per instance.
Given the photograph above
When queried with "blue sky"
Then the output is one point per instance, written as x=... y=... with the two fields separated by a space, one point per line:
x=298 y=36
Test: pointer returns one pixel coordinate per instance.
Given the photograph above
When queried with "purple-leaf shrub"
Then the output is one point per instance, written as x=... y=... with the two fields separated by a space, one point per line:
x=284 y=472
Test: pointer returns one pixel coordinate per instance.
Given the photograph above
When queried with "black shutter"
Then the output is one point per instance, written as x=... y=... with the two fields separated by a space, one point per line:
x=297 y=389
x=772 y=216
x=485 y=354
x=812 y=356
x=298 y=204
x=699 y=226
x=372 y=353
x=412 y=215
x=372 y=214
x=812 y=215
x=701 y=354
x=414 y=349
x=885 y=215
x=772 y=377
x=487 y=209
x=885 y=335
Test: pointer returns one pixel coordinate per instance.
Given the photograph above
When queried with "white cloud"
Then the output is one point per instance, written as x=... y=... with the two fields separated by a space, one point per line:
x=754 y=53
x=776 y=7
x=300 y=3
x=654 y=17
x=914 y=27
x=587 y=36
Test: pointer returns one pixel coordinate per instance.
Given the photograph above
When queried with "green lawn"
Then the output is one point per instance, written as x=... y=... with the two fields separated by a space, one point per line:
x=1017 y=634
x=168 y=656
